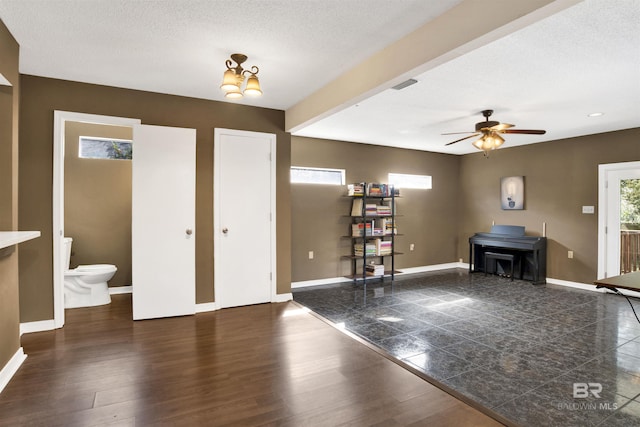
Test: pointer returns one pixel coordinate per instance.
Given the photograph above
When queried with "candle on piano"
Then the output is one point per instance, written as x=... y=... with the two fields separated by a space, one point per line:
x=544 y=229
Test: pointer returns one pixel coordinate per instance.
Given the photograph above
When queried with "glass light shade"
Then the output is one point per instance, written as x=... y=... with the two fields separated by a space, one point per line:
x=489 y=142
x=253 y=86
x=234 y=93
x=229 y=81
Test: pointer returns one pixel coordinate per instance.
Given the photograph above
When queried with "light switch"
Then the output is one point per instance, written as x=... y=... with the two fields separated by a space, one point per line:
x=588 y=209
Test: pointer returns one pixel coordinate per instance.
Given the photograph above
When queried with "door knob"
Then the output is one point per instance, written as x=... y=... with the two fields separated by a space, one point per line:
x=225 y=230
x=189 y=231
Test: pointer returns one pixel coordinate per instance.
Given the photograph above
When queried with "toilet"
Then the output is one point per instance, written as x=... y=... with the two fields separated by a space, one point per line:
x=86 y=285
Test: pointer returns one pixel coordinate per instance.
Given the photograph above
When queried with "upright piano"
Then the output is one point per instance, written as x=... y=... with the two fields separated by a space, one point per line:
x=530 y=252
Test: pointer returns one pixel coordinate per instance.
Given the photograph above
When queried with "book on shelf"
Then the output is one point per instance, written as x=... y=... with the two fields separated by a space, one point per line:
x=360 y=248
x=383 y=210
x=360 y=228
x=391 y=206
x=381 y=190
x=356 y=207
x=355 y=189
x=371 y=189
x=390 y=229
x=380 y=226
x=374 y=269
x=383 y=247
x=371 y=209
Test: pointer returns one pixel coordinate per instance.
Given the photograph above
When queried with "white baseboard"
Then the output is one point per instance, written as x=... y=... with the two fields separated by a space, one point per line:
x=409 y=270
x=11 y=368
x=282 y=297
x=39 y=326
x=435 y=267
x=206 y=306
x=120 y=290
x=588 y=287
x=318 y=282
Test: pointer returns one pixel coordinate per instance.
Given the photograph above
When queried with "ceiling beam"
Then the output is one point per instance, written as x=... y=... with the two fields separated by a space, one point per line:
x=467 y=26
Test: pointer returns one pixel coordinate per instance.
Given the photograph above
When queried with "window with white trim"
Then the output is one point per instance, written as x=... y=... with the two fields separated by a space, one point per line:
x=93 y=147
x=404 y=180
x=307 y=175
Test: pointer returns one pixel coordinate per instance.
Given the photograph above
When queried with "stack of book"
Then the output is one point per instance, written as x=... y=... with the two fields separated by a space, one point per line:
x=359 y=229
x=383 y=210
x=380 y=226
x=390 y=229
x=359 y=248
x=374 y=269
x=371 y=189
x=371 y=209
x=355 y=189
x=383 y=247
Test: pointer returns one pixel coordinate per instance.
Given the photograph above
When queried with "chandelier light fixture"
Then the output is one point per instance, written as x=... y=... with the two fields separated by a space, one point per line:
x=234 y=77
x=489 y=141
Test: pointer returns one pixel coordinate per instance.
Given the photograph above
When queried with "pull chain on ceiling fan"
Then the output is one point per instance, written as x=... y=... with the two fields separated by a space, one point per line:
x=490 y=131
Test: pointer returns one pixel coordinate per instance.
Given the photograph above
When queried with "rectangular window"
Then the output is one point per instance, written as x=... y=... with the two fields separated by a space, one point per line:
x=92 y=147
x=304 y=175
x=403 y=180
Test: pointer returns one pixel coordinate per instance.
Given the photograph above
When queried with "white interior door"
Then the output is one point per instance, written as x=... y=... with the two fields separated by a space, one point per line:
x=611 y=177
x=163 y=220
x=244 y=217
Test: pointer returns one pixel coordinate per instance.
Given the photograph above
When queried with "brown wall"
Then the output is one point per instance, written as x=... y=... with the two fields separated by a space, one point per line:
x=41 y=96
x=560 y=177
x=429 y=218
x=9 y=109
x=97 y=203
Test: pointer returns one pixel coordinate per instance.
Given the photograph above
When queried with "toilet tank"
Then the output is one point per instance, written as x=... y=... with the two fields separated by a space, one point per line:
x=67 y=251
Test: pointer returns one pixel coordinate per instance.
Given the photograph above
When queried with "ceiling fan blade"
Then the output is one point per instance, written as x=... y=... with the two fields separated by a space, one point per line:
x=462 y=139
x=456 y=133
x=525 y=131
x=501 y=126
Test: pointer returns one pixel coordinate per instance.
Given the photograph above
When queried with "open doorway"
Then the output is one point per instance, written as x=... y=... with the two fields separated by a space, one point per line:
x=618 y=219
x=97 y=198
x=61 y=118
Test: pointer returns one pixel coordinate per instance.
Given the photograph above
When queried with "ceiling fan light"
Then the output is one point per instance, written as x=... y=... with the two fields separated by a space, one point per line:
x=234 y=93
x=495 y=140
x=229 y=81
x=253 y=86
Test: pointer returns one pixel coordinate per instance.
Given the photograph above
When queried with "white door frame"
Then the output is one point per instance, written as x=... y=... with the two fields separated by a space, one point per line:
x=59 y=121
x=217 y=161
x=603 y=208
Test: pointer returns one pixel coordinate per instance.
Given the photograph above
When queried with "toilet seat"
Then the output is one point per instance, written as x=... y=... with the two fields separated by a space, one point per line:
x=95 y=267
x=84 y=270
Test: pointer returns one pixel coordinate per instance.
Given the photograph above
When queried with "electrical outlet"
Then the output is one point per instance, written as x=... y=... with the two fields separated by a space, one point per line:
x=412 y=247
x=310 y=254
x=570 y=254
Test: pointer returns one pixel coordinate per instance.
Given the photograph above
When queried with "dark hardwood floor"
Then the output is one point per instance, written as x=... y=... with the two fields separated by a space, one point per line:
x=269 y=364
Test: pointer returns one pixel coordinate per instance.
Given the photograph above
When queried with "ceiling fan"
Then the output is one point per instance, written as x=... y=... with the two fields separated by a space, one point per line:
x=490 y=131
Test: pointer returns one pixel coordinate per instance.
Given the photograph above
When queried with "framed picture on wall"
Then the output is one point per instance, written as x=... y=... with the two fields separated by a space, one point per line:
x=512 y=192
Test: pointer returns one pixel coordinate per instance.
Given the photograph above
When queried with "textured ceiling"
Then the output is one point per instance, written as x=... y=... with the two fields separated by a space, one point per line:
x=180 y=46
x=547 y=75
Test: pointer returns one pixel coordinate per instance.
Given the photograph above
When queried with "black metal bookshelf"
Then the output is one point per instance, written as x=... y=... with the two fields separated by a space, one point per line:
x=366 y=195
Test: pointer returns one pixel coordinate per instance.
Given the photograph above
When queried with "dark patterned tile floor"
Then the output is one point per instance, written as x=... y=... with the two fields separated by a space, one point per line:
x=537 y=355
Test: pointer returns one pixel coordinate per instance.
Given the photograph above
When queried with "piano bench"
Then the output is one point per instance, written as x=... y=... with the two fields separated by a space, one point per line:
x=498 y=256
